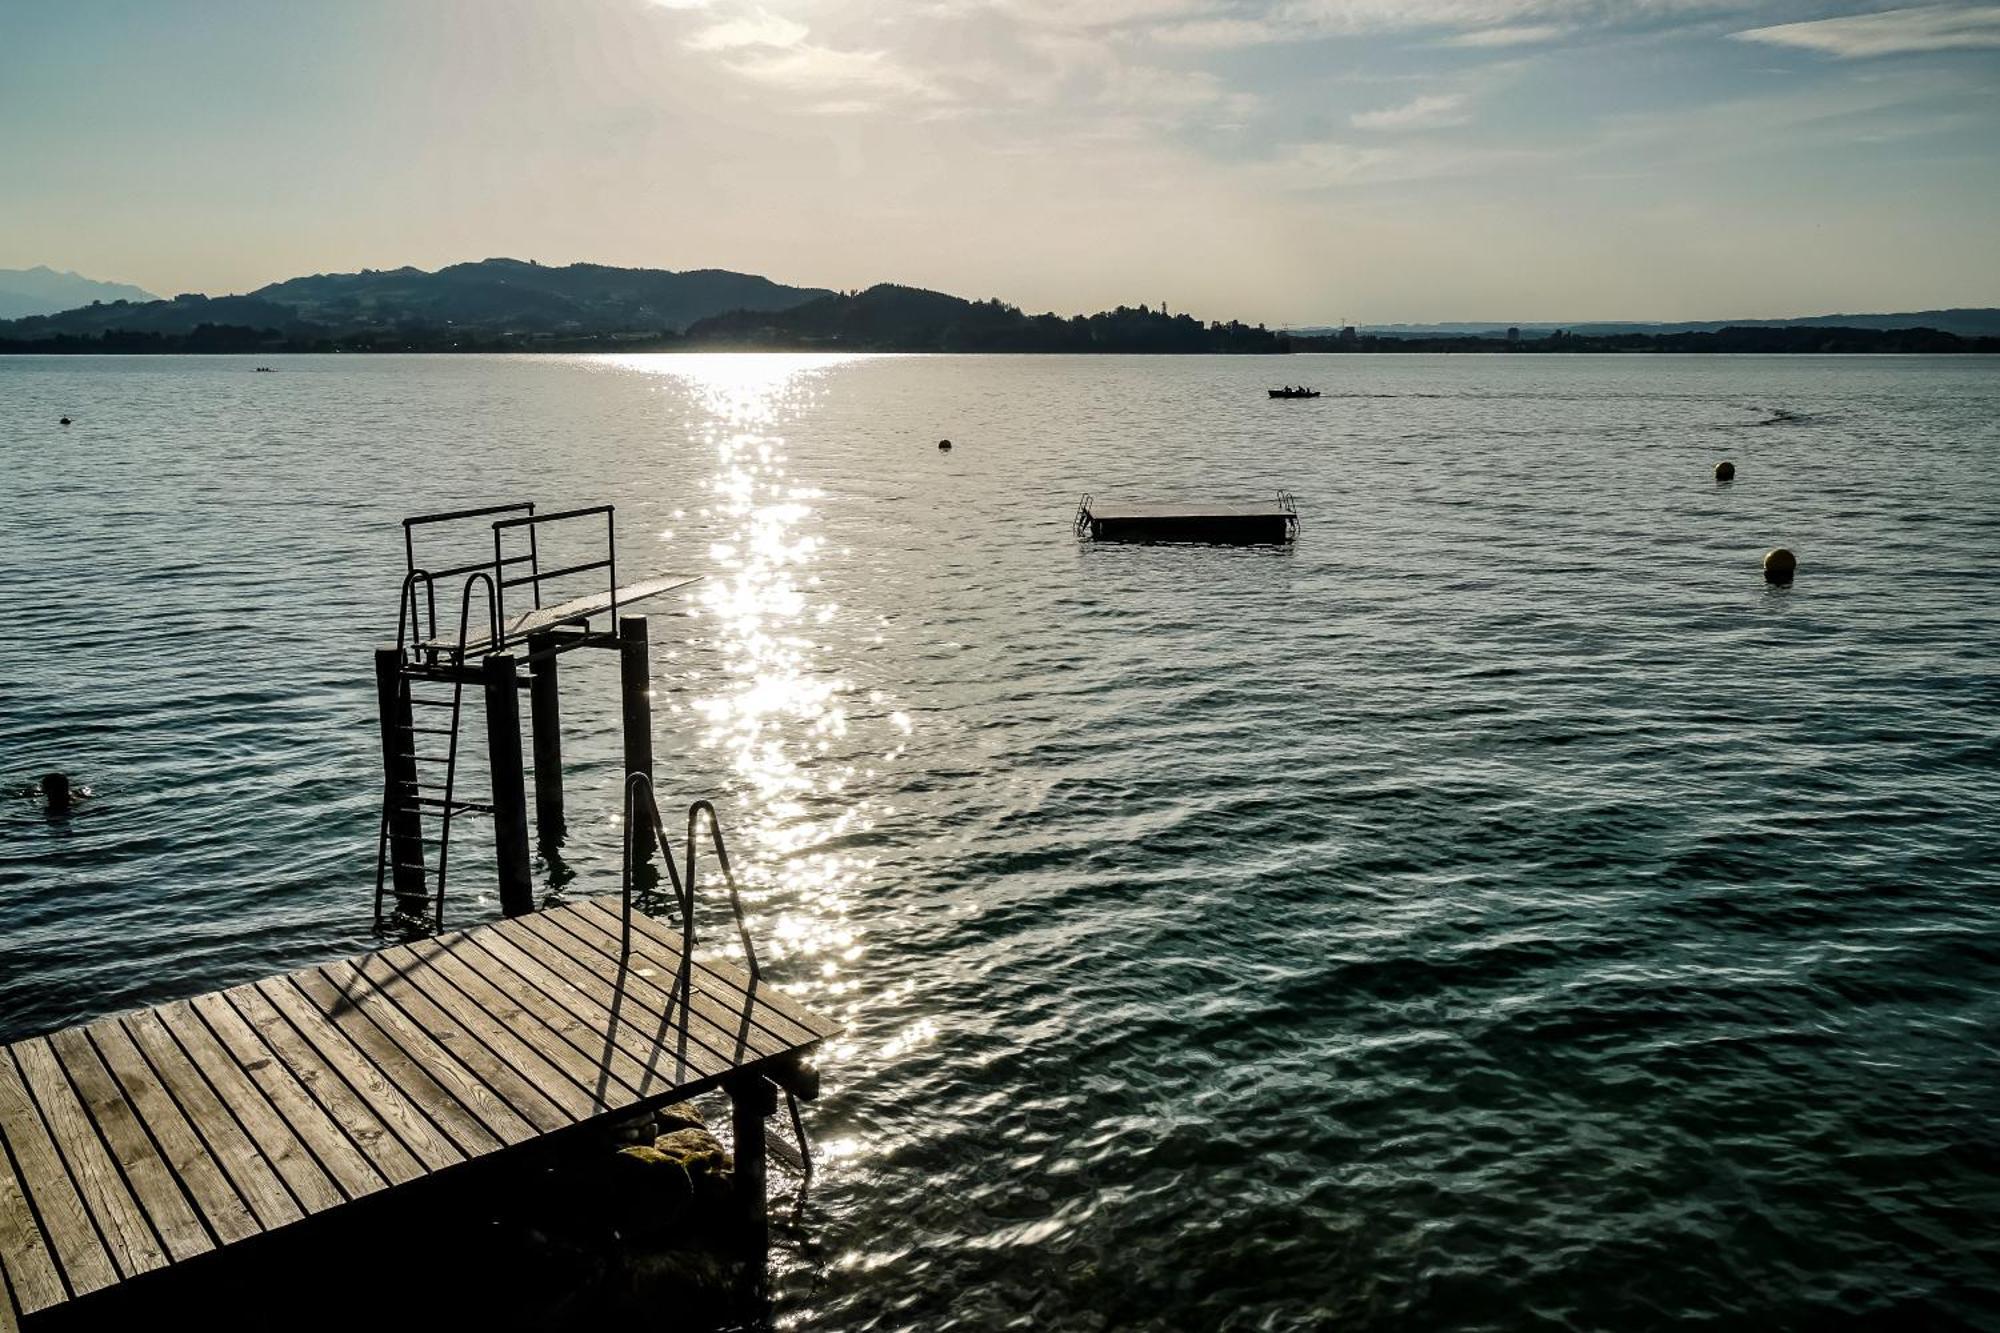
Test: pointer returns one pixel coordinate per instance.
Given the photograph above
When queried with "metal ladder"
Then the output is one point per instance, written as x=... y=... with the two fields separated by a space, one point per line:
x=417 y=790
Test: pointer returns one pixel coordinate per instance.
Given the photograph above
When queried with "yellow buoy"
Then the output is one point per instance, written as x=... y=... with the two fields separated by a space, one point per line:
x=1725 y=471
x=1780 y=565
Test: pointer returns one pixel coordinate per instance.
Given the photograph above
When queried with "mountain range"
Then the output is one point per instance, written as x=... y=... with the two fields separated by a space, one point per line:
x=475 y=302
x=44 y=291
x=508 y=304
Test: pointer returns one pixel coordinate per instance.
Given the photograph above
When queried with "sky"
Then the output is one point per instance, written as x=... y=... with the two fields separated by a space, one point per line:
x=1290 y=162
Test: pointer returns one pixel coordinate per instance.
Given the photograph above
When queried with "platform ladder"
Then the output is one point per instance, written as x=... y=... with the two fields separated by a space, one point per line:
x=423 y=711
x=420 y=798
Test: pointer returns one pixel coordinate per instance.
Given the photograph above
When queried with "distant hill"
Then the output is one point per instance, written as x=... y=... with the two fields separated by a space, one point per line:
x=1965 y=322
x=1811 y=339
x=494 y=300
x=889 y=318
x=44 y=291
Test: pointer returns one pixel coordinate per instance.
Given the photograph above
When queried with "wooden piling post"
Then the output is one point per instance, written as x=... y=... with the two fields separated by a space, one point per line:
x=751 y=1100
x=635 y=672
x=399 y=781
x=545 y=716
x=510 y=792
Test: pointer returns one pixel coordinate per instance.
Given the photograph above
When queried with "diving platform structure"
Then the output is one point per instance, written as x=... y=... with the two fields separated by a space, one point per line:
x=508 y=637
x=1204 y=521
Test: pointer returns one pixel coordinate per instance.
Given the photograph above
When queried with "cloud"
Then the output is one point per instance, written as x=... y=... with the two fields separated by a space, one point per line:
x=1523 y=35
x=853 y=81
x=762 y=28
x=1220 y=33
x=1890 y=32
x=1425 y=113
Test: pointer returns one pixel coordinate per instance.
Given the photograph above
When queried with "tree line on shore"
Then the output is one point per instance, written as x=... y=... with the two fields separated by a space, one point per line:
x=511 y=306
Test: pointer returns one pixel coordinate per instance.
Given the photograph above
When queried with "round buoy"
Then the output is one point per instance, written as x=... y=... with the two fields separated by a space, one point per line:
x=1780 y=565
x=1725 y=471
x=63 y=422
x=944 y=446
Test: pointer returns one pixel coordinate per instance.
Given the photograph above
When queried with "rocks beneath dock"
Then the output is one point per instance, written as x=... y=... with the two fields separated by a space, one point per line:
x=640 y=1218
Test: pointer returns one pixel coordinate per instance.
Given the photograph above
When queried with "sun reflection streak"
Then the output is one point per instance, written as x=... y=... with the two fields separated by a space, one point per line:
x=767 y=704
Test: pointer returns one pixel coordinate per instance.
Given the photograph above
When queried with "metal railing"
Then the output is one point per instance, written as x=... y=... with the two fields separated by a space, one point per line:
x=1291 y=508
x=536 y=574
x=522 y=569
x=642 y=818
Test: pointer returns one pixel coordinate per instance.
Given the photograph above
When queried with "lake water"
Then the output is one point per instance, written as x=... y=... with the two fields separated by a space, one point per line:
x=1501 y=909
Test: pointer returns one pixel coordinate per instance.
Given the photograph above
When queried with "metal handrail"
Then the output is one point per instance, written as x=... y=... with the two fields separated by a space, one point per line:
x=642 y=815
x=406 y=606
x=695 y=812
x=1082 y=523
x=465 y=614
x=638 y=788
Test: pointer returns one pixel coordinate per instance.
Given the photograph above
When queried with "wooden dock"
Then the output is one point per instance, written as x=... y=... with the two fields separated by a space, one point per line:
x=152 y=1138
x=1212 y=522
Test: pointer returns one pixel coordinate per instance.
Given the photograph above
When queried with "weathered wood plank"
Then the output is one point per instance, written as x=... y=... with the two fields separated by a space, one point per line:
x=78 y=1247
x=595 y=1043
x=778 y=1013
x=373 y=983
x=194 y=1166
x=151 y=1137
x=579 y=946
x=504 y=1032
x=120 y=1220
x=544 y=1032
x=576 y=608
x=645 y=1014
x=27 y=1267
x=433 y=1080
x=351 y=1171
x=261 y=1154
x=402 y=1115
x=152 y=1182
x=651 y=1045
x=357 y=1117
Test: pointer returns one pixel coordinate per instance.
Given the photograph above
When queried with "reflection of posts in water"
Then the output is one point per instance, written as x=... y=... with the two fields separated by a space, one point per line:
x=545 y=719
x=510 y=792
x=635 y=674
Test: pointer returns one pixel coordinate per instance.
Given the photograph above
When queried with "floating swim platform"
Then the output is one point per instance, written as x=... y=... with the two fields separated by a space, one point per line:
x=1215 y=522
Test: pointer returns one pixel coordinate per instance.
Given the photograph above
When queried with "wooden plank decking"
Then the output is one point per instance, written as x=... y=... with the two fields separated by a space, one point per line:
x=153 y=1137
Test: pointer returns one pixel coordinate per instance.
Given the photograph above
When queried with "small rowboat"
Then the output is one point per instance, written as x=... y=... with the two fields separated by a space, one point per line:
x=1293 y=393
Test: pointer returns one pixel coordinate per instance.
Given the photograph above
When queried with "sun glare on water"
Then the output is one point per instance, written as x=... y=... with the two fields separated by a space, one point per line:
x=762 y=696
